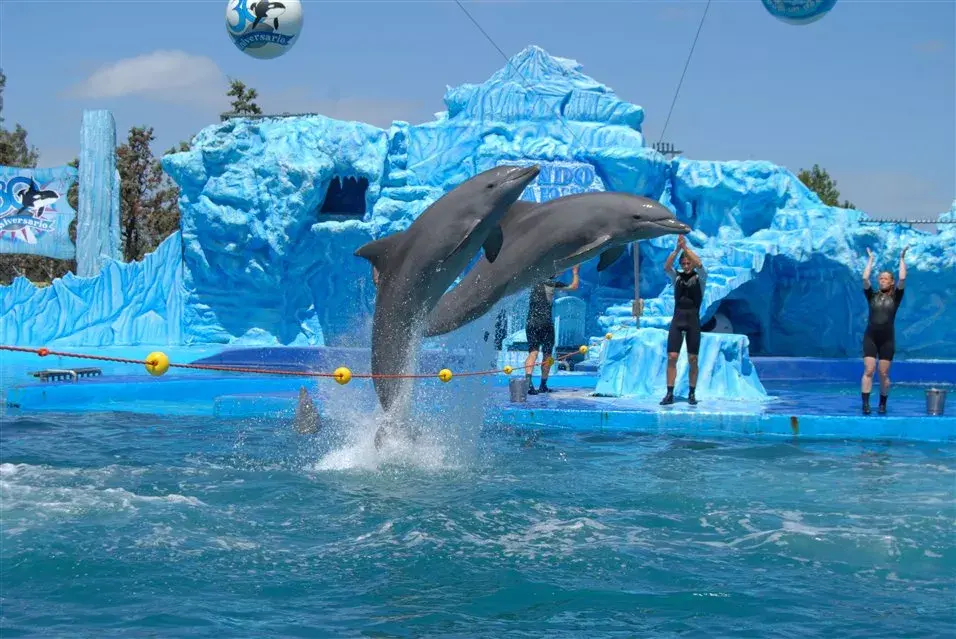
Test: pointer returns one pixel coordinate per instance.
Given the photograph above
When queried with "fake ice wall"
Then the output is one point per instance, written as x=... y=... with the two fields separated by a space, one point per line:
x=135 y=303
x=273 y=209
x=786 y=270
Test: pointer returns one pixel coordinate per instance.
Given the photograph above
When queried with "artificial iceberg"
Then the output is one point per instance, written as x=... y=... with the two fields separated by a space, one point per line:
x=274 y=207
x=635 y=365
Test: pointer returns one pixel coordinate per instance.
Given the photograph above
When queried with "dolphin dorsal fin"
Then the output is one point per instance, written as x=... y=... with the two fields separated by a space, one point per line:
x=378 y=252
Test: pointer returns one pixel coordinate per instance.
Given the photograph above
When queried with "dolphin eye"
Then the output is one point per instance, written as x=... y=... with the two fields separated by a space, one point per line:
x=490 y=185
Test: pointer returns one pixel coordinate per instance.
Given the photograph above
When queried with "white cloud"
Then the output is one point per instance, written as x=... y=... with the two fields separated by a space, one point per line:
x=173 y=76
x=180 y=77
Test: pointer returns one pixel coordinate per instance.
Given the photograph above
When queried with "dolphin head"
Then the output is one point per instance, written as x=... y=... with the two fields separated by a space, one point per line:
x=645 y=219
x=497 y=189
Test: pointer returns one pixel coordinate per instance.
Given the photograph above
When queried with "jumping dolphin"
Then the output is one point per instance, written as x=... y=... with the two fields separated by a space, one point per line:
x=419 y=264
x=543 y=239
x=35 y=200
x=265 y=10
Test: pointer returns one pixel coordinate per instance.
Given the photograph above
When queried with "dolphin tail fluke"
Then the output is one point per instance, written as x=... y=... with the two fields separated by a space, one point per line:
x=610 y=256
x=379 y=251
x=493 y=244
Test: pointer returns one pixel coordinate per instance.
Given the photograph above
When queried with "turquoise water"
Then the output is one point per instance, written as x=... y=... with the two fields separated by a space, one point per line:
x=118 y=525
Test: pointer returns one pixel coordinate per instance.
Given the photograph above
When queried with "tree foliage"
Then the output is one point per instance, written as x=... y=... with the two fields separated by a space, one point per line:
x=820 y=182
x=244 y=99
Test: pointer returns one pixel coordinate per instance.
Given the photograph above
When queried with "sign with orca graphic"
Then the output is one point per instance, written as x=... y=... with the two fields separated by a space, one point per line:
x=35 y=215
x=558 y=178
x=264 y=29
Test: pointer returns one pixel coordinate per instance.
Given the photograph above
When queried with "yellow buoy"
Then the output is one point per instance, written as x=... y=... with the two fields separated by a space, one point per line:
x=342 y=375
x=608 y=336
x=444 y=375
x=157 y=363
x=507 y=370
x=583 y=350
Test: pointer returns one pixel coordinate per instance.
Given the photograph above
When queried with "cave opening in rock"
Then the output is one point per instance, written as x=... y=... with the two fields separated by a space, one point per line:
x=345 y=196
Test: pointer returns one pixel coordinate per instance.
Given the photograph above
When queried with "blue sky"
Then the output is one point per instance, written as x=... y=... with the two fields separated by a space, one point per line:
x=869 y=92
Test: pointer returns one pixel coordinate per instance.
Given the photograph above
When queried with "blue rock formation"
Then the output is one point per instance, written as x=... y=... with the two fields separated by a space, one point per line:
x=98 y=223
x=785 y=269
x=635 y=364
x=136 y=303
x=273 y=209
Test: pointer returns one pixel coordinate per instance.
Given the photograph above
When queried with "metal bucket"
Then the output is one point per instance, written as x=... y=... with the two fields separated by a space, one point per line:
x=519 y=389
x=935 y=401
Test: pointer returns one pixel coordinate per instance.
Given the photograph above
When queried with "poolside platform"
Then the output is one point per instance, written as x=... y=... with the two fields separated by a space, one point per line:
x=809 y=398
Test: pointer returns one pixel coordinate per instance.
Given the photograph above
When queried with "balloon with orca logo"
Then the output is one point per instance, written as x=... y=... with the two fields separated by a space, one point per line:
x=798 y=12
x=264 y=29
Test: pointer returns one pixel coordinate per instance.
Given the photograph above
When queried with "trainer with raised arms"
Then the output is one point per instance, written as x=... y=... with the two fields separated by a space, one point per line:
x=879 y=339
x=688 y=296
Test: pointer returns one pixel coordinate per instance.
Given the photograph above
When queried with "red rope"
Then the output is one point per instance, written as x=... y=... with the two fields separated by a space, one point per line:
x=43 y=352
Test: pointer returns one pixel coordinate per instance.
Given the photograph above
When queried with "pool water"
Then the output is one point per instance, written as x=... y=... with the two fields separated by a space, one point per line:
x=120 y=525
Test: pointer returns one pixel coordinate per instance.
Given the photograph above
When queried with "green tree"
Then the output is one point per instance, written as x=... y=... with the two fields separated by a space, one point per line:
x=244 y=99
x=148 y=209
x=14 y=150
x=820 y=182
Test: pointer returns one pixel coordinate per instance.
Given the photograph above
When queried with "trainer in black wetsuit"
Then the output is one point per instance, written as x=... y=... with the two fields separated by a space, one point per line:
x=688 y=296
x=540 y=327
x=879 y=338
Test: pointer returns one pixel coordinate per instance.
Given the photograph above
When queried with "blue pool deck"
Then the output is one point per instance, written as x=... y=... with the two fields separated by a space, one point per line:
x=810 y=398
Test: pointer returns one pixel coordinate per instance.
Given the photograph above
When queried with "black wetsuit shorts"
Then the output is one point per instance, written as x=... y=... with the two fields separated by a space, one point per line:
x=879 y=344
x=686 y=323
x=540 y=338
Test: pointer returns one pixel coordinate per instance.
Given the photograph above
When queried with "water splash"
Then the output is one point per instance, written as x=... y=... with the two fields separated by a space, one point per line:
x=444 y=418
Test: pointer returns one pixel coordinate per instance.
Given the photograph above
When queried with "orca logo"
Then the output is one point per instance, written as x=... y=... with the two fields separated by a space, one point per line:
x=264 y=28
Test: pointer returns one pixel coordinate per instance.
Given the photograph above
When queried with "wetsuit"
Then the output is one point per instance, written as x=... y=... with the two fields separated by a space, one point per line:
x=540 y=323
x=688 y=296
x=879 y=339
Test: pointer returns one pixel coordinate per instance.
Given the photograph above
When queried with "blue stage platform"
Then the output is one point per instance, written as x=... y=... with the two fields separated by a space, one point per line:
x=810 y=398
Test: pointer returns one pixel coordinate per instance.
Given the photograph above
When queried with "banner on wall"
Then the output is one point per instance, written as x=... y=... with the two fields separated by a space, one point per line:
x=35 y=215
x=558 y=178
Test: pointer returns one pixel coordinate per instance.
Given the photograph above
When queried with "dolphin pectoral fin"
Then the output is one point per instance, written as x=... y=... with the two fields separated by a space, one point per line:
x=464 y=238
x=276 y=23
x=379 y=251
x=492 y=245
x=590 y=246
x=610 y=256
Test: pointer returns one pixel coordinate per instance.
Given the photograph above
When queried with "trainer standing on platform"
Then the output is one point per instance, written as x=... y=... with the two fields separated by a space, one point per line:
x=879 y=339
x=688 y=296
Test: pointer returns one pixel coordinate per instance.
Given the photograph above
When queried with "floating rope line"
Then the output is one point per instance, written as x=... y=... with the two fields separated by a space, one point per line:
x=157 y=363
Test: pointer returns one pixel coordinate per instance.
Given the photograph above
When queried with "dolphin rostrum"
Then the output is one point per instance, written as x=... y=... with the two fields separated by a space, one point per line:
x=543 y=239
x=416 y=266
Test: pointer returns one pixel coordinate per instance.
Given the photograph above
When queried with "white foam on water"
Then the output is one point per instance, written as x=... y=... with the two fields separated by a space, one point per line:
x=439 y=423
